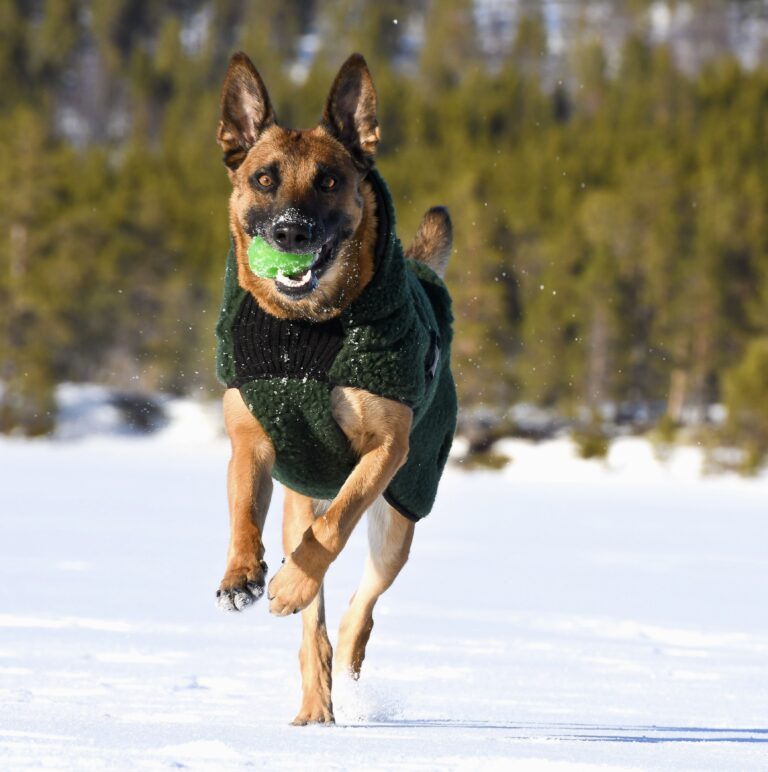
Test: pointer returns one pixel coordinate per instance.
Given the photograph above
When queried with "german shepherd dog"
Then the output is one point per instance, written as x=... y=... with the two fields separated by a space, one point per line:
x=303 y=191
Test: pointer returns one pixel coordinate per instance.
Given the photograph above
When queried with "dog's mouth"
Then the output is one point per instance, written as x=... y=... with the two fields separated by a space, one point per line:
x=300 y=285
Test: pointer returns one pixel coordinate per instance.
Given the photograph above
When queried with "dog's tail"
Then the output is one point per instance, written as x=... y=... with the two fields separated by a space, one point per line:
x=433 y=241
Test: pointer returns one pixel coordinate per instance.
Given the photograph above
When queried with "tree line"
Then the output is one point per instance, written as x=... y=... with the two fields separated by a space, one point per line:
x=611 y=220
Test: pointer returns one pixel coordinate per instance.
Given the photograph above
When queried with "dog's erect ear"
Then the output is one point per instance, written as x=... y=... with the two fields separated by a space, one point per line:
x=350 y=112
x=245 y=110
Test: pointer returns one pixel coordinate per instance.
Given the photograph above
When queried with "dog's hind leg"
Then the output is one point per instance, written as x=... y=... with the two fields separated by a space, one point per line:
x=389 y=542
x=315 y=654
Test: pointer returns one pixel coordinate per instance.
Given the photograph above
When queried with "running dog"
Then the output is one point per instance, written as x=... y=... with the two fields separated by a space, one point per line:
x=338 y=375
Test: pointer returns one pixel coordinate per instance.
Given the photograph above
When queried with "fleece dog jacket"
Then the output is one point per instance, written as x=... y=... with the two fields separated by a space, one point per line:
x=394 y=341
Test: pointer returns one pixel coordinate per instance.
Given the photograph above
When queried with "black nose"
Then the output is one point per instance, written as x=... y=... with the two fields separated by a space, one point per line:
x=293 y=236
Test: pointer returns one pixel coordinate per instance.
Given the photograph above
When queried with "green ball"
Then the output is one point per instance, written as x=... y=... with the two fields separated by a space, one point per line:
x=266 y=261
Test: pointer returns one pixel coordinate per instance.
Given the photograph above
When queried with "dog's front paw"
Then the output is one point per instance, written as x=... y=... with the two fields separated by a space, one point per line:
x=241 y=587
x=291 y=589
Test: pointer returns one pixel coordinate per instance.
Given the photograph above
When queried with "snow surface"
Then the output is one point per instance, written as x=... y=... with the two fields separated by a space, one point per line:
x=560 y=614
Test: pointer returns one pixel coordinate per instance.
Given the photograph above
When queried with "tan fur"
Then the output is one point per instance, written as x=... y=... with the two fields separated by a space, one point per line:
x=315 y=654
x=249 y=490
x=378 y=429
x=389 y=542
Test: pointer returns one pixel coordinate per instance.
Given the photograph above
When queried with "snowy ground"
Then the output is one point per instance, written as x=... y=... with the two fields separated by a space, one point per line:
x=560 y=614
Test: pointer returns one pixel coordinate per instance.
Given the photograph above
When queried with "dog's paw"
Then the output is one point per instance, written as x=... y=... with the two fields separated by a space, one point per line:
x=317 y=715
x=291 y=589
x=238 y=598
x=241 y=588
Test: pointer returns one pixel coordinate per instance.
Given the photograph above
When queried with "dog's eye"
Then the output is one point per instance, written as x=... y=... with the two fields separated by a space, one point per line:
x=328 y=182
x=264 y=181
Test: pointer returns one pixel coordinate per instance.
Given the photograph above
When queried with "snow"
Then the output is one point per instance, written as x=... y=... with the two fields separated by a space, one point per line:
x=558 y=615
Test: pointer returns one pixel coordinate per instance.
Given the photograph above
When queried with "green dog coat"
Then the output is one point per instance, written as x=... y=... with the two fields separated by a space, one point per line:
x=394 y=341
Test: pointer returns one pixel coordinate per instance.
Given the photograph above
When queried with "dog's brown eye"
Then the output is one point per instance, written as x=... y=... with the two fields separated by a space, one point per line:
x=264 y=180
x=328 y=182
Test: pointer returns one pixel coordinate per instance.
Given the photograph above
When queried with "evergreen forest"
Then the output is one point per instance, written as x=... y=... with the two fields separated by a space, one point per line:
x=609 y=195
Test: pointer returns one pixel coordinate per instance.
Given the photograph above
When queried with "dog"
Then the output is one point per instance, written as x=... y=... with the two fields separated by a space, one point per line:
x=339 y=381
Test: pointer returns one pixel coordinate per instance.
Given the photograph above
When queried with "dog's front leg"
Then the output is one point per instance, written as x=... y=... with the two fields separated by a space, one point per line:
x=249 y=490
x=378 y=430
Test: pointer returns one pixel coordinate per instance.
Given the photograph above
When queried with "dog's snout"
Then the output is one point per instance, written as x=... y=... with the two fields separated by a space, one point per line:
x=293 y=236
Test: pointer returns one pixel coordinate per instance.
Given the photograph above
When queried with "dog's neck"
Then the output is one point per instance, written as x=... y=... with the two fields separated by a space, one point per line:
x=352 y=270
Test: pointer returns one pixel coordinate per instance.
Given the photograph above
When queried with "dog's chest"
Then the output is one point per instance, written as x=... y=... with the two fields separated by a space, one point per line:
x=268 y=347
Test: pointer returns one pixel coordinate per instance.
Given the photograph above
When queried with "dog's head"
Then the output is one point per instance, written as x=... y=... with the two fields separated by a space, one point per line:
x=302 y=191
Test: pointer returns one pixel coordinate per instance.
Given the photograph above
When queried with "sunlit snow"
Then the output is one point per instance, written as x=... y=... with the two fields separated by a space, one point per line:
x=559 y=614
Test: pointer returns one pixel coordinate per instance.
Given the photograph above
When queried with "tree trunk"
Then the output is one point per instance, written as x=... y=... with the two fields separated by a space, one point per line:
x=678 y=385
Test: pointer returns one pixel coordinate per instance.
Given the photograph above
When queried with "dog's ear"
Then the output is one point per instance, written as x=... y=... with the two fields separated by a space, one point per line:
x=245 y=110
x=350 y=112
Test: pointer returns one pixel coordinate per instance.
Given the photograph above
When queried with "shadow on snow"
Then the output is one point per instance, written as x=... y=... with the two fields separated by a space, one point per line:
x=590 y=732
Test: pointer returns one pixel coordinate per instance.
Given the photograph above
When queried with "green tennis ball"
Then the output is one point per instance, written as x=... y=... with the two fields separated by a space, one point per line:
x=266 y=261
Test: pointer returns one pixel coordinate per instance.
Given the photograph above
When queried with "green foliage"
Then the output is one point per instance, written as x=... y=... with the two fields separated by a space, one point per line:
x=592 y=441
x=486 y=459
x=746 y=398
x=611 y=229
x=666 y=430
